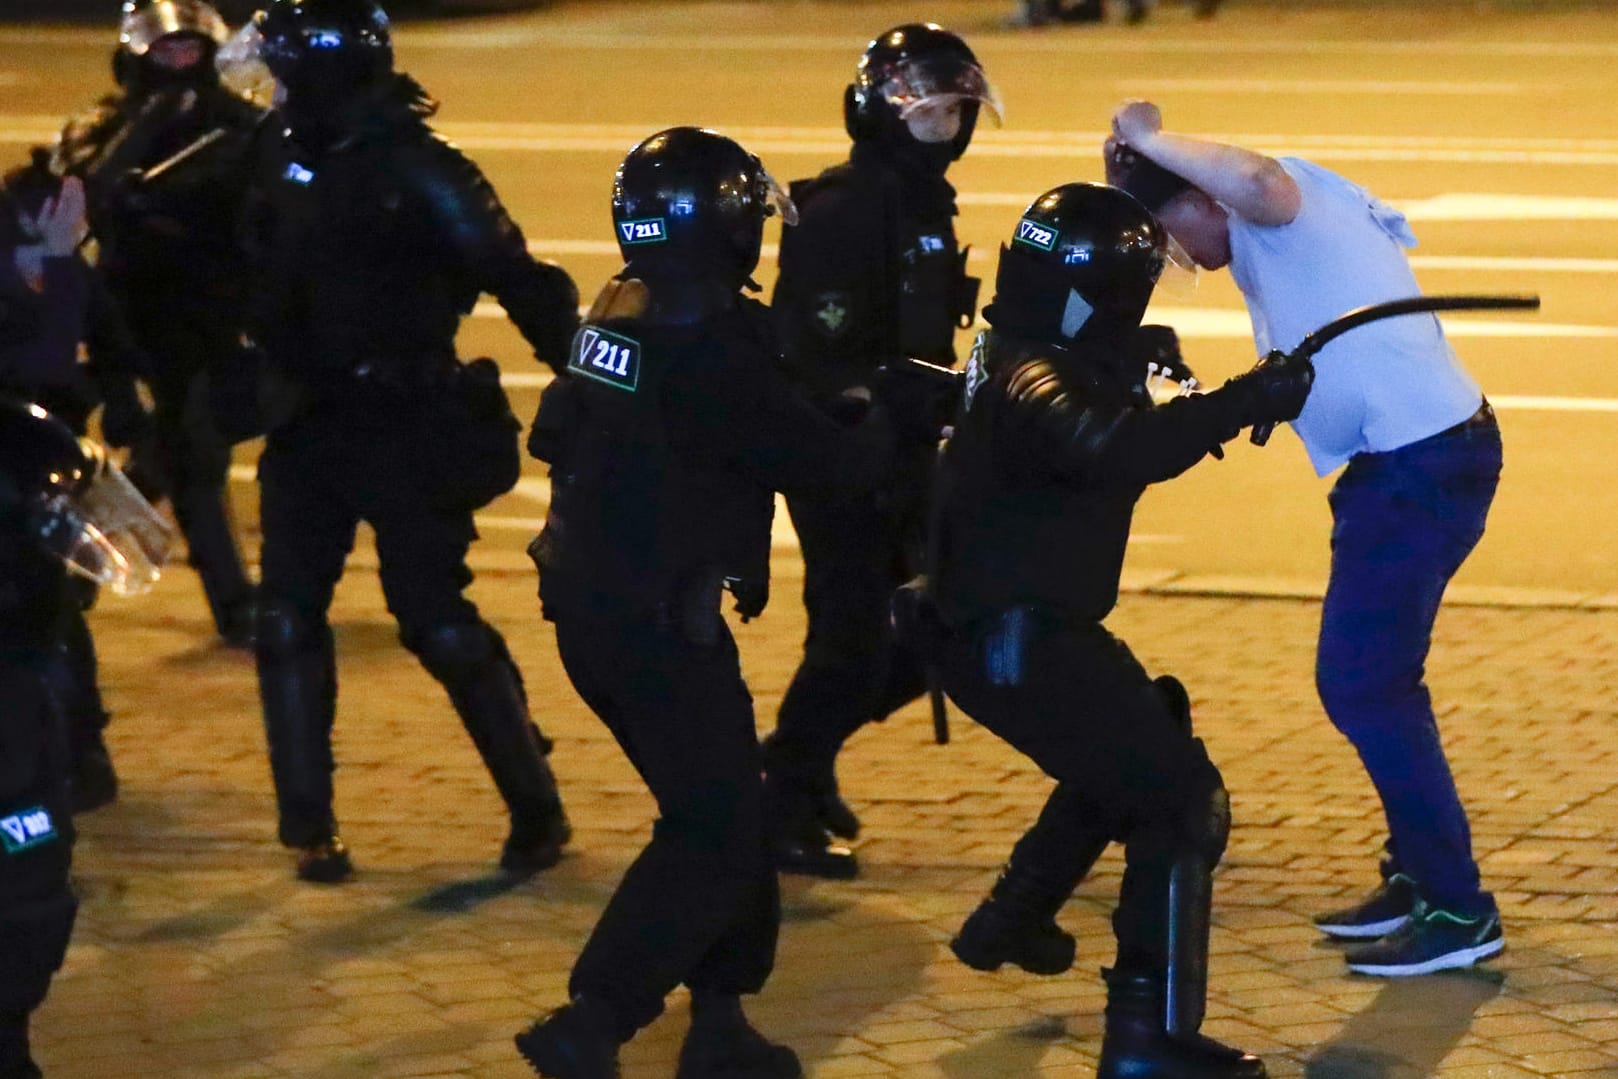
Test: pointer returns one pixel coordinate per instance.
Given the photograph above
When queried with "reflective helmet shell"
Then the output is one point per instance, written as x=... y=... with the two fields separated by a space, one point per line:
x=145 y=22
x=322 y=50
x=692 y=198
x=868 y=115
x=1091 y=241
x=40 y=457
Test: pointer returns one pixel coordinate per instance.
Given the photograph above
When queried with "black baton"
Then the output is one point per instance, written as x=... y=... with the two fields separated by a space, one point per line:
x=1415 y=305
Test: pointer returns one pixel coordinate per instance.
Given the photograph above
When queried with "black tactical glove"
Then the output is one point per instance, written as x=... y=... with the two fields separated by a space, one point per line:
x=1274 y=391
x=922 y=398
x=124 y=422
x=1159 y=345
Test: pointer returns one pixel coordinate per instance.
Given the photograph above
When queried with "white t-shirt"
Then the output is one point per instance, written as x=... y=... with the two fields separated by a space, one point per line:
x=1377 y=387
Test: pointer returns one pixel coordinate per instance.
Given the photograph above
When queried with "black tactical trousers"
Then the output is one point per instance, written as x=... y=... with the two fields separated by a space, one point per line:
x=189 y=457
x=855 y=553
x=36 y=839
x=319 y=477
x=700 y=905
x=323 y=474
x=1074 y=699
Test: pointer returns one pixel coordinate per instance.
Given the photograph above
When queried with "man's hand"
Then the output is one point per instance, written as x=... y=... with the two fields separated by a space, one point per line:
x=1135 y=122
x=61 y=220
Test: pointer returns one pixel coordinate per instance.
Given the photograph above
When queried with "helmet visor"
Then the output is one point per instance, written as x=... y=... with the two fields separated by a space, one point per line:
x=775 y=197
x=143 y=26
x=242 y=68
x=937 y=81
x=107 y=533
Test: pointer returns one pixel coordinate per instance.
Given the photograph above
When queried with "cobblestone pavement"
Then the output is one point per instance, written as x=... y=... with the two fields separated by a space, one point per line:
x=197 y=954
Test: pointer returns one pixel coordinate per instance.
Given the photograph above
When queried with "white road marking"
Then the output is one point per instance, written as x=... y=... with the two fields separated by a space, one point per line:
x=513 y=34
x=616 y=139
x=1333 y=87
x=1231 y=322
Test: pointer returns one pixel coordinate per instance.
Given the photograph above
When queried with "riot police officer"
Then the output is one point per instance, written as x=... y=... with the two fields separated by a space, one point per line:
x=164 y=162
x=871 y=275
x=375 y=236
x=1056 y=441
x=667 y=434
x=51 y=302
x=52 y=487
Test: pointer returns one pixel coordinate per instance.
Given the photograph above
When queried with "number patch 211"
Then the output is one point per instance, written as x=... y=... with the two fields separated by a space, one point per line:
x=606 y=357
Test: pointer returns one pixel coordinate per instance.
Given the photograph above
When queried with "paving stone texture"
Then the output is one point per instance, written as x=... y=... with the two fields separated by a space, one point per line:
x=197 y=954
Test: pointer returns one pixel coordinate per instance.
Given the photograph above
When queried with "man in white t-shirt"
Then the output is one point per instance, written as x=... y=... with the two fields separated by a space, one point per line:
x=1422 y=450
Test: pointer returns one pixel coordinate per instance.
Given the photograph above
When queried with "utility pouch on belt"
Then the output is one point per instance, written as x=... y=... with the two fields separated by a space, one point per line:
x=468 y=452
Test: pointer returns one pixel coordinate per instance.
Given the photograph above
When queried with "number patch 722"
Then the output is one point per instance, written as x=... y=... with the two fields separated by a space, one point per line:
x=606 y=357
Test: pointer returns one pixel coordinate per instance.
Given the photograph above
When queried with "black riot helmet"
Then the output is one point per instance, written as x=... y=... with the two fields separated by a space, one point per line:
x=61 y=492
x=909 y=67
x=323 y=52
x=148 y=26
x=1082 y=263
x=691 y=201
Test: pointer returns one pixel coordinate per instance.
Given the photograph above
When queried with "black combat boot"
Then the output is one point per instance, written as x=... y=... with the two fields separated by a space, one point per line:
x=1135 y=1044
x=799 y=842
x=576 y=1041
x=802 y=813
x=297 y=686
x=211 y=540
x=1017 y=922
x=722 y=1044
x=486 y=688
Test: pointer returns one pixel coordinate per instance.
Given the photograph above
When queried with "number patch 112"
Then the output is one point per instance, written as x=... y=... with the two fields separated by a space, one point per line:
x=606 y=357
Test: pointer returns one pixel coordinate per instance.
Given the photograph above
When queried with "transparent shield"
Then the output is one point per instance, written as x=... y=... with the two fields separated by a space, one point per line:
x=1181 y=275
x=108 y=533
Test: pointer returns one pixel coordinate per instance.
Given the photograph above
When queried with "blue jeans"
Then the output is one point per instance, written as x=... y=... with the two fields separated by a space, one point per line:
x=1404 y=521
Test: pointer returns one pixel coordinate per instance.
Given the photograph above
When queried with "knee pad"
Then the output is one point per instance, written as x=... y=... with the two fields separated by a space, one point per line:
x=283 y=631
x=453 y=651
x=1204 y=817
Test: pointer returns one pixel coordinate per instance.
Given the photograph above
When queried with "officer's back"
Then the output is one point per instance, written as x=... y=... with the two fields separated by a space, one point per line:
x=671 y=426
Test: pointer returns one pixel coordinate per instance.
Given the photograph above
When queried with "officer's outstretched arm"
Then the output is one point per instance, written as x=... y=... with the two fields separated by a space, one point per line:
x=489 y=248
x=1101 y=443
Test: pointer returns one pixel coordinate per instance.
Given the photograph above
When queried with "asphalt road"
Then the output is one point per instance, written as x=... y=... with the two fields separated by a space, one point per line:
x=1495 y=128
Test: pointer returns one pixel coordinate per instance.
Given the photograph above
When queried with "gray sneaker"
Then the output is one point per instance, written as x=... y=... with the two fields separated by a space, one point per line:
x=1387 y=910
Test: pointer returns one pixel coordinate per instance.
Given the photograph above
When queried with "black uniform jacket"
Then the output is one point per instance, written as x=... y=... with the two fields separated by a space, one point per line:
x=666 y=443
x=166 y=172
x=371 y=250
x=1052 y=450
x=870 y=274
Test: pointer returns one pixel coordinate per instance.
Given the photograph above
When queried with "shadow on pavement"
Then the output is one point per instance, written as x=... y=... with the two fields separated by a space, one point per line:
x=1008 y=1054
x=1409 y=1028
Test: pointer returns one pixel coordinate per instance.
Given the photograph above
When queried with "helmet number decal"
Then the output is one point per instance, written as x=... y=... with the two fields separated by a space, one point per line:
x=646 y=230
x=606 y=357
x=27 y=829
x=1034 y=234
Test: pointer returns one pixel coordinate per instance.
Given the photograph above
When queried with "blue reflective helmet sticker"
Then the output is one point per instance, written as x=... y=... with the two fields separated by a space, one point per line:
x=606 y=357
x=1034 y=234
